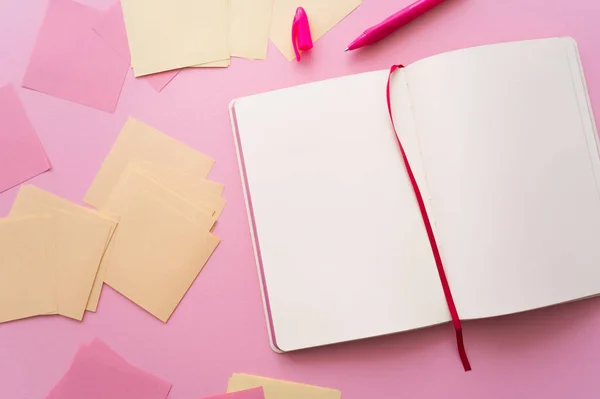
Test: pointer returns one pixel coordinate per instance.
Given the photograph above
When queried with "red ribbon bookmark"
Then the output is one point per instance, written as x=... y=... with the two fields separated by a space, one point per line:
x=436 y=252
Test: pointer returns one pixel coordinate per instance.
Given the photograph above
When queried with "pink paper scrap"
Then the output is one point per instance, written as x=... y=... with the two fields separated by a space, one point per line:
x=21 y=153
x=111 y=28
x=254 y=393
x=97 y=372
x=72 y=62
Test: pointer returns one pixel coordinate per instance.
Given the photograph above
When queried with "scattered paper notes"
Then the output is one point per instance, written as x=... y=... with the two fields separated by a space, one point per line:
x=71 y=61
x=156 y=254
x=134 y=180
x=322 y=16
x=140 y=142
x=111 y=28
x=28 y=268
x=254 y=393
x=97 y=372
x=80 y=239
x=167 y=35
x=156 y=187
x=277 y=389
x=21 y=153
x=250 y=23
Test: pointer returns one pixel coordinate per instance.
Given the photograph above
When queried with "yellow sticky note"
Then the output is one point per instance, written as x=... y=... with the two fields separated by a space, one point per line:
x=215 y=64
x=80 y=244
x=140 y=142
x=133 y=181
x=195 y=191
x=156 y=254
x=33 y=200
x=27 y=268
x=322 y=16
x=250 y=23
x=165 y=35
x=177 y=178
x=277 y=389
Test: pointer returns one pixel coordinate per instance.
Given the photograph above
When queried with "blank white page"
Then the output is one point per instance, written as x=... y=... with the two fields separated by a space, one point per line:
x=344 y=250
x=510 y=156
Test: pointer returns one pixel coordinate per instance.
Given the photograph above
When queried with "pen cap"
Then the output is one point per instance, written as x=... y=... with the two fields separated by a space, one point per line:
x=301 y=38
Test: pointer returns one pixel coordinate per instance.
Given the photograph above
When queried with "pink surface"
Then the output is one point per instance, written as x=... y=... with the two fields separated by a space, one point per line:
x=21 y=153
x=219 y=328
x=70 y=61
x=111 y=28
x=98 y=372
x=254 y=393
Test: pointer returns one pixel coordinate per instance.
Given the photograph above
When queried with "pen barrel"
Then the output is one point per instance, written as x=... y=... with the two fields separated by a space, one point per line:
x=407 y=15
x=394 y=22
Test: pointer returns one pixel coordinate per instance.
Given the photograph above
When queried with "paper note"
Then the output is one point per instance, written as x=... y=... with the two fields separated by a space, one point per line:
x=250 y=23
x=276 y=389
x=71 y=61
x=97 y=372
x=27 y=268
x=167 y=35
x=197 y=191
x=140 y=142
x=81 y=238
x=130 y=186
x=177 y=178
x=111 y=28
x=31 y=197
x=322 y=16
x=215 y=64
x=254 y=393
x=133 y=182
x=156 y=254
x=21 y=153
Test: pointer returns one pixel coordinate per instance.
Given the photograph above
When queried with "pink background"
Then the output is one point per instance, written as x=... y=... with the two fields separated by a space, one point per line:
x=219 y=327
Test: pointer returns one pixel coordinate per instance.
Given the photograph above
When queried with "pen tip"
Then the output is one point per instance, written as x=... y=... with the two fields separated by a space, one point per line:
x=346 y=49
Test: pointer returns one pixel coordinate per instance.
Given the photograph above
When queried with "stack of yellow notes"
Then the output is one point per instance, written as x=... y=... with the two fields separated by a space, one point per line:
x=148 y=239
x=156 y=187
x=50 y=252
x=167 y=35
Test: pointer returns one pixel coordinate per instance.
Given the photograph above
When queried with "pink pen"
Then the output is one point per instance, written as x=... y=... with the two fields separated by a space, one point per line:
x=390 y=24
x=301 y=38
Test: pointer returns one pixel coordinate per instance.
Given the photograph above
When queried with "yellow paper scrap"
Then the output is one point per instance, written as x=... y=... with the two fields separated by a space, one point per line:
x=156 y=254
x=165 y=35
x=140 y=142
x=250 y=23
x=277 y=389
x=177 y=178
x=80 y=244
x=35 y=200
x=215 y=64
x=322 y=16
x=195 y=192
x=27 y=268
x=133 y=181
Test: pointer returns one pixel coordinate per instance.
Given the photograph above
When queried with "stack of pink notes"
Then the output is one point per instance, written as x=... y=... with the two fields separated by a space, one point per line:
x=97 y=372
x=22 y=156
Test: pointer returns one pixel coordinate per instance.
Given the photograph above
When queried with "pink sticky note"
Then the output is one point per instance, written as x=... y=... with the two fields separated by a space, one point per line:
x=71 y=61
x=254 y=393
x=111 y=28
x=21 y=153
x=97 y=372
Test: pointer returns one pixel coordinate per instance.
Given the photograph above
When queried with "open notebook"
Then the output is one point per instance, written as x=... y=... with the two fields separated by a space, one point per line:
x=503 y=144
